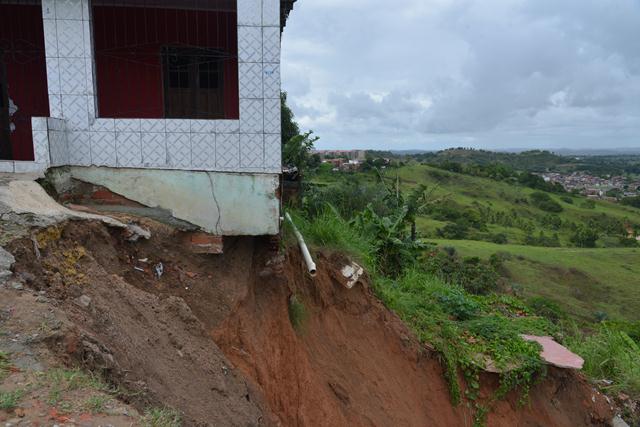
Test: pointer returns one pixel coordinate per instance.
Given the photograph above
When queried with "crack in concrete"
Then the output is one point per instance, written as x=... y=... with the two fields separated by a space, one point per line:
x=215 y=200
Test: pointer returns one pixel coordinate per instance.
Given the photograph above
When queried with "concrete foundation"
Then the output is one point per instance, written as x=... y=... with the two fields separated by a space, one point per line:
x=225 y=204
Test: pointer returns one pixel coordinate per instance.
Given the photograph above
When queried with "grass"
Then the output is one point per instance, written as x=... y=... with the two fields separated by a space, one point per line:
x=610 y=355
x=62 y=381
x=583 y=281
x=328 y=231
x=9 y=400
x=297 y=313
x=96 y=404
x=5 y=365
x=162 y=417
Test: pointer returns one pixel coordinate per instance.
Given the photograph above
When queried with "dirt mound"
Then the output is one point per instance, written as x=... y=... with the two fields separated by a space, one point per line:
x=212 y=337
x=150 y=344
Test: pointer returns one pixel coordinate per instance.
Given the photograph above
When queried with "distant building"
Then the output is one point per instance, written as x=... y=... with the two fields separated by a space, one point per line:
x=348 y=154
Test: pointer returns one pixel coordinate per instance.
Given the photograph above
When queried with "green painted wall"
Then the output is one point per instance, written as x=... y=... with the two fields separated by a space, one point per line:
x=229 y=204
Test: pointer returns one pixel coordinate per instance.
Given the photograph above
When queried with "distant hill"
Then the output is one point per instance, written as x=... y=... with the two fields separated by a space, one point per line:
x=612 y=163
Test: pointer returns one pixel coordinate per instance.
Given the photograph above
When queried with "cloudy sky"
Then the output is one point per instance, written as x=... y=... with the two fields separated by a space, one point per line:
x=500 y=74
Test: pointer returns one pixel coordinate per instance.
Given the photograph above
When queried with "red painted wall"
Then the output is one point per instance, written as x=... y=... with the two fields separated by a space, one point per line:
x=128 y=41
x=22 y=40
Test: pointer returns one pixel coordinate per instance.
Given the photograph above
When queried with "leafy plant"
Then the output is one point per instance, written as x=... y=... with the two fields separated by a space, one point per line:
x=393 y=247
x=297 y=151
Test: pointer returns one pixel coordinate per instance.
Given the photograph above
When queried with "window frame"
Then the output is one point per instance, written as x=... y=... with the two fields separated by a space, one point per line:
x=196 y=57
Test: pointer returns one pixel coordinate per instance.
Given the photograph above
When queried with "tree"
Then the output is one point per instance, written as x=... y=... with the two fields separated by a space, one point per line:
x=585 y=237
x=289 y=126
x=297 y=151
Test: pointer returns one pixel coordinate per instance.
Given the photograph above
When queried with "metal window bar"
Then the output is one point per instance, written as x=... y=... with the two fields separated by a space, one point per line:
x=131 y=40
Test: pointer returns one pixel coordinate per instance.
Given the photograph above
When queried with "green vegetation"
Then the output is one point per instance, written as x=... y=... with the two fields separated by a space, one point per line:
x=469 y=330
x=582 y=281
x=5 y=365
x=62 y=381
x=612 y=355
x=297 y=313
x=631 y=201
x=531 y=161
x=162 y=417
x=96 y=404
x=472 y=254
x=9 y=400
x=289 y=126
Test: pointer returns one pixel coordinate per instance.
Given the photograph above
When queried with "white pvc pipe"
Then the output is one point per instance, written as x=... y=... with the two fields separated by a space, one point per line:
x=311 y=266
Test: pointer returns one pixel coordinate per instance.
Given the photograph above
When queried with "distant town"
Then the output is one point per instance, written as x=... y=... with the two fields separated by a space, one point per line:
x=607 y=188
x=342 y=160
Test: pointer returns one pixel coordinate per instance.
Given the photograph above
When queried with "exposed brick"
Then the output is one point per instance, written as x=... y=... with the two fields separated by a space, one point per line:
x=107 y=197
x=204 y=243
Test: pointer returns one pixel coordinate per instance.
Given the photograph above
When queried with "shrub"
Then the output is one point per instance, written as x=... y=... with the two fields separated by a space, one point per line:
x=631 y=201
x=568 y=200
x=393 y=247
x=348 y=197
x=584 y=237
x=459 y=305
x=546 y=308
x=453 y=231
x=476 y=276
x=544 y=202
x=499 y=238
x=588 y=204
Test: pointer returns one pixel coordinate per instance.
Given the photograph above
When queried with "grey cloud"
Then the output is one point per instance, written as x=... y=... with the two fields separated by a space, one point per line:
x=435 y=72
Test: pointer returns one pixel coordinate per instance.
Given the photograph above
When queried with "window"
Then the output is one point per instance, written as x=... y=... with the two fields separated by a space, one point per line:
x=193 y=83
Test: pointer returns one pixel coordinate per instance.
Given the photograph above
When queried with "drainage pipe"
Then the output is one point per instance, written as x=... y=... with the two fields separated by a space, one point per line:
x=311 y=266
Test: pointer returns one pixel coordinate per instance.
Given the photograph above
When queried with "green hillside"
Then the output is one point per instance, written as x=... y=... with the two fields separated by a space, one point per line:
x=490 y=198
x=539 y=245
x=583 y=281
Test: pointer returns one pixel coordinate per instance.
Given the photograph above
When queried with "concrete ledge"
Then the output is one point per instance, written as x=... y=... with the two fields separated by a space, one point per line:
x=222 y=204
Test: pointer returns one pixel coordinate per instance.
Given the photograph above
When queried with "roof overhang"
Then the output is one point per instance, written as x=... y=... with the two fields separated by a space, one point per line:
x=285 y=8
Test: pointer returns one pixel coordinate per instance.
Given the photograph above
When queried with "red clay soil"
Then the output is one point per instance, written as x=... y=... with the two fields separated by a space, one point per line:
x=212 y=337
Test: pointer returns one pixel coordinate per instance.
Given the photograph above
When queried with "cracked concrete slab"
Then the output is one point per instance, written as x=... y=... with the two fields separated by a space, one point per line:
x=24 y=204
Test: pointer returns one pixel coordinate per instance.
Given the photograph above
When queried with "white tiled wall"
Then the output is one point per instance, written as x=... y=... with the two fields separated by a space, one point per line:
x=79 y=138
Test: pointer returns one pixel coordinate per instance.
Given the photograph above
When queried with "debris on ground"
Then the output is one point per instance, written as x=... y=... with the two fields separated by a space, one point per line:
x=133 y=232
x=352 y=273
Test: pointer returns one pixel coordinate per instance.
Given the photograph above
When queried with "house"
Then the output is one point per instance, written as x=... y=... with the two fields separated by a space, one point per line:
x=346 y=154
x=170 y=103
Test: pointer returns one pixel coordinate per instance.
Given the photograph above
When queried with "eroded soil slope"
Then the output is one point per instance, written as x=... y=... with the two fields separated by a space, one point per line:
x=212 y=337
